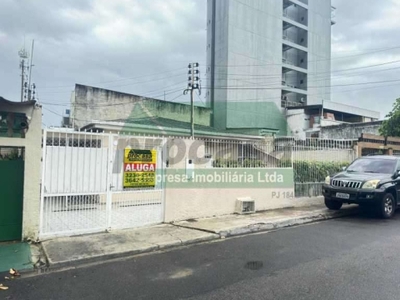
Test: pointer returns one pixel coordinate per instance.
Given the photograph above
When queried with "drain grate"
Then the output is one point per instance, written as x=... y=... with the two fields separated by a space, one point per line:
x=254 y=265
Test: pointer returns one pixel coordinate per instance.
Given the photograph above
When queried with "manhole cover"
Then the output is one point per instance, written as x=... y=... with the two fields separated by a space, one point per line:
x=254 y=265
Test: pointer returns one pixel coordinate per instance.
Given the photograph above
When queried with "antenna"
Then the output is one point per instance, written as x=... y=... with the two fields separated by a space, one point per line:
x=30 y=87
x=23 y=55
x=27 y=88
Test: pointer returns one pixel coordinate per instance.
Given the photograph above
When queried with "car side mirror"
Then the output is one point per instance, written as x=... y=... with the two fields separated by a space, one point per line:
x=397 y=174
x=344 y=168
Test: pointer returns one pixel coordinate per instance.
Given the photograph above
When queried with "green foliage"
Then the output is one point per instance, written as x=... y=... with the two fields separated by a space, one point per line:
x=313 y=171
x=247 y=163
x=391 y=126
x=304 y=171
x=10 y=156
x=225 y=163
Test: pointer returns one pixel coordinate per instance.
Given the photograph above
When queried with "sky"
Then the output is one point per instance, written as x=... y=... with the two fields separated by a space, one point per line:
x=144 y=46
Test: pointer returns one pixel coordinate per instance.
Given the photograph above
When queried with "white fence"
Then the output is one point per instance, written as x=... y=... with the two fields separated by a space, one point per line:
x=311 y=159
x=83 y=190
x=84 y=184
x=314 y=159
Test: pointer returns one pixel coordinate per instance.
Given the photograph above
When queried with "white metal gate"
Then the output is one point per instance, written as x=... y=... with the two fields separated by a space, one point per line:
x=82 y=184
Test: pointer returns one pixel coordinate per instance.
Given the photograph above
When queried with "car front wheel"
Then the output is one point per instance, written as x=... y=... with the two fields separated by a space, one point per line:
x=332 y=204
x=387 y=206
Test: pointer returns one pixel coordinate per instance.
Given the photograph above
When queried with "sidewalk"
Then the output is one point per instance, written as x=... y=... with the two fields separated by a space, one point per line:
x=73 y=251
x=15 y=255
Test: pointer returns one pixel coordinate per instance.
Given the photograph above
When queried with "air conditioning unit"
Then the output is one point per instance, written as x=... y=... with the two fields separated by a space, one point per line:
x=245 y=206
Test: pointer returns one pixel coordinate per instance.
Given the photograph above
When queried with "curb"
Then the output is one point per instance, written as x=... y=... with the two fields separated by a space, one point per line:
x=249 y=229
x=56 y=266
x=264 y=227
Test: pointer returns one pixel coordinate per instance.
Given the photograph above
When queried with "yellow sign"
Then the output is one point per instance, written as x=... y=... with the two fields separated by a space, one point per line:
x=139 y=168
x=140 y=156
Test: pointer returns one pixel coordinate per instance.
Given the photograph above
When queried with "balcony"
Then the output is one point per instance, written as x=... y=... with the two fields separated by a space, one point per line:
x=293 y=57
x=293 y=100
x=295 y=35
x=288 y=88
x=287 y=45
x=288 y=3
x=289 y=67
x=296 y=14
x=295 y=80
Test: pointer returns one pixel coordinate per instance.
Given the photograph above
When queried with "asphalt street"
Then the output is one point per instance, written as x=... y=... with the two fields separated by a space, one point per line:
x=355 y=257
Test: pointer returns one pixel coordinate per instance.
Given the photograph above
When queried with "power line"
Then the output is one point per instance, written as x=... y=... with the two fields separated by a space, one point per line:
x=256 y=81
x=310 y=61
x=131 y=84
x=316 y=73
x=278 y=98
x=257 y=88
x=198 y=96
x=122 y=79
x=247 y=65
x=106 y=104
x=280 y=86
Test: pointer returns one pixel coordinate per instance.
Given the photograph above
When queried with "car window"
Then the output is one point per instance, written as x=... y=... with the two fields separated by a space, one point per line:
x=397 y=165
x=364 y=165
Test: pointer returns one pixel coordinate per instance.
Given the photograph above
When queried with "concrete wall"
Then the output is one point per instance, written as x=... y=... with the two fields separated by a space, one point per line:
x=188 y=204
x=32 y=176
x=91 y=103
x=327 y=122
x=350 y=131
x=182 y=204
x=298 y=122
x=334 y=155
x=319 y=51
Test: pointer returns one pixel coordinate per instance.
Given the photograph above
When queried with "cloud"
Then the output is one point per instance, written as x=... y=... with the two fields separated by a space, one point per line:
x=98 y=41
x=366 y=34
x=94 y=42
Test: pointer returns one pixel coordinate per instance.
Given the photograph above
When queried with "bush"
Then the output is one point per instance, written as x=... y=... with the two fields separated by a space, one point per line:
x=312 y=171
x=304 y=171
x=225 y=163
x=10 y=156
x=247 y=163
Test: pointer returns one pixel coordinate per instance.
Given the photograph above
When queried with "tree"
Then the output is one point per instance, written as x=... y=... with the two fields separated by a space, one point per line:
x=391 y=126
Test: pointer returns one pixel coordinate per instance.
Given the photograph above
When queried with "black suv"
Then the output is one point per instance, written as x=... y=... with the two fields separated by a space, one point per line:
x=370 y=180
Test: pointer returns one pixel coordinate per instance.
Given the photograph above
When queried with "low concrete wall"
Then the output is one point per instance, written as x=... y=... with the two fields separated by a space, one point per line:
x=184 y=204
x=207 y=200
x=350 y=131
x=328 y=155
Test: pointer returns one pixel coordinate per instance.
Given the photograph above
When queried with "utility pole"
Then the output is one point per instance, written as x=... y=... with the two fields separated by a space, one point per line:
x=193 y=84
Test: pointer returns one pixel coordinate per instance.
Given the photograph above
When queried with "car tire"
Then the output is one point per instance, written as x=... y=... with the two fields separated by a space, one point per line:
x=333 y=204
x=387 y=206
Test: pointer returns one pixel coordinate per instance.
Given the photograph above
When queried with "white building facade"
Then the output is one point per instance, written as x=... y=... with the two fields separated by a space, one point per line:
x=265 y=57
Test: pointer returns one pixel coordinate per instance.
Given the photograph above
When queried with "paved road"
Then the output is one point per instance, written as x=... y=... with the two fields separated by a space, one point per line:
x=351 y=258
